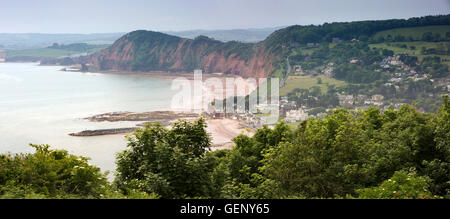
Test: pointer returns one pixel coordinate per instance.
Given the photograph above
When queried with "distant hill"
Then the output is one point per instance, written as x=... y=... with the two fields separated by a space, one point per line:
x=153 y=51
x=52 y=52
x=346 y=31
x=21 y=41
x=242 y=35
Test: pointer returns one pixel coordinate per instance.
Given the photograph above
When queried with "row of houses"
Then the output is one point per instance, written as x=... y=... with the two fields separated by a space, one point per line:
x=298 y=115
x=392 y=61
x=376 y=100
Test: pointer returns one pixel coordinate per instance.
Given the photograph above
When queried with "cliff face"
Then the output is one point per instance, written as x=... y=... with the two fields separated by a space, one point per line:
x=152 y=51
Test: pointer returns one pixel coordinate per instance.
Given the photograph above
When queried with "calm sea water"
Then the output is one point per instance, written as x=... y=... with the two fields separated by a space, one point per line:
x=41 y=105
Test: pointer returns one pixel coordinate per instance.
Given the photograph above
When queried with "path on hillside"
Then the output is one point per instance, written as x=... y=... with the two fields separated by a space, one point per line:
x=289 y=68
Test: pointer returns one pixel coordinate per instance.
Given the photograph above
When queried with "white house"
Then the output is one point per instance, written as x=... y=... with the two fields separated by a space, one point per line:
x=296 y=116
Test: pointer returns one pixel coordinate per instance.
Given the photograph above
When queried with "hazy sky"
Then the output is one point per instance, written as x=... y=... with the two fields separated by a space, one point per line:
x=94 y=16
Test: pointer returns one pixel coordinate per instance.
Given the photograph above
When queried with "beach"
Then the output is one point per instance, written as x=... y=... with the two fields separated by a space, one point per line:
x=221 y=130
x=44 y=105
x=224 y=130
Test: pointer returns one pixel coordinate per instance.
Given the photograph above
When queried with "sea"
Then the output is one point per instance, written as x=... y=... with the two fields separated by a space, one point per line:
x=42 y=105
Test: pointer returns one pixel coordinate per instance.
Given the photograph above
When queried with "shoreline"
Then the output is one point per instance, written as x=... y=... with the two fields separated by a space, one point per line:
x=222 y=130
x=166 y=75
x=156 y=73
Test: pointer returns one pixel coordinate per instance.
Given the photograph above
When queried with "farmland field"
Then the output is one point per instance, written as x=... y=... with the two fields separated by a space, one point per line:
x=53 y=52
x=306 y=82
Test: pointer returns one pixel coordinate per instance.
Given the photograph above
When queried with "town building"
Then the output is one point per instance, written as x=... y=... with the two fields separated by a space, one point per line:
x=346 y=99
x=298 y=70
x=296 y=116
x=377 y=100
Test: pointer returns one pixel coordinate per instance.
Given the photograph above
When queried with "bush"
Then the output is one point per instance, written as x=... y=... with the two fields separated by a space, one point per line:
x=402 y=185
x=49 y=173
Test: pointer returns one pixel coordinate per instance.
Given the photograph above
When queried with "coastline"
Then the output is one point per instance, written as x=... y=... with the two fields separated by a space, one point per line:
x=222 y=130
x=169 y=75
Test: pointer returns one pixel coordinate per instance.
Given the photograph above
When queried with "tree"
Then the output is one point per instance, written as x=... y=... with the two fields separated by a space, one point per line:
x=438 y=169
x=402 y=185
x=50 y=173
x=325 y=158
x=170 y=163
x=345 y=152
x=387 y=52
x=244 y=161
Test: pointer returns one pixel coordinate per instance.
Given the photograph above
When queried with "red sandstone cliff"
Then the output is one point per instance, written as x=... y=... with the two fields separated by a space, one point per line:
x=152 y=51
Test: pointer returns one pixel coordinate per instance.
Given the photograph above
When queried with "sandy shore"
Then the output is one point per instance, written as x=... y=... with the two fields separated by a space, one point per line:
x=224 y=130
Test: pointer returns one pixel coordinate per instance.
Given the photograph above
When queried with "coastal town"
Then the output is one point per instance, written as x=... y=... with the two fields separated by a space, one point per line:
x=291 y=112
x=205 y=104
x=224 y=126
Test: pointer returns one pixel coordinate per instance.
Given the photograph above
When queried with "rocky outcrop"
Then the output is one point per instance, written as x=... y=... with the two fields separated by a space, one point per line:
x=162 y=117
x=90 y=133
x=156 y=116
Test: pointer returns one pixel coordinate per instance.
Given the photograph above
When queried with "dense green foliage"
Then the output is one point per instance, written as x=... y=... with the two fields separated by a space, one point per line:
x=49 y=173
x=342 y=153
x=435 y=66
x=402 y=185
x=364 y=154
x=363 y=71
x=171 y=163
x=404 y=153
x=426 y=33
x=145 y=41
x=361 y=30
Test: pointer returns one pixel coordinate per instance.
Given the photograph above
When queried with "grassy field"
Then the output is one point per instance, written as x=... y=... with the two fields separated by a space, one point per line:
x=46 y=52
x=306 y=82
x=415 y=32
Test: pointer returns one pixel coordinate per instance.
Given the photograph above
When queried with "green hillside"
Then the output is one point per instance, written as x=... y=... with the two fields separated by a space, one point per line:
x=419 y=49
x=357 y=57
x=44 y=52
x=55 y=51
x=416 y=33
x=307 y=82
